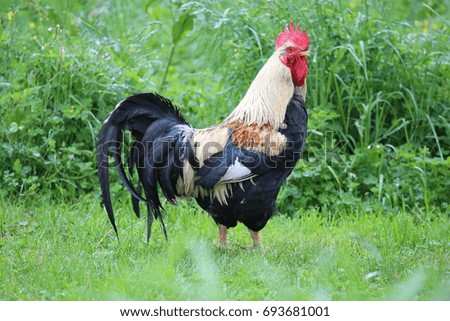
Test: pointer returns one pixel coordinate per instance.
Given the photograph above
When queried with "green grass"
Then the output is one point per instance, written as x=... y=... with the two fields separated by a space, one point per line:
x=54 y=251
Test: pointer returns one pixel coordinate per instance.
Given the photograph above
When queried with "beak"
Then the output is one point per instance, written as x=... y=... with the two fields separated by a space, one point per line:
x=304 y=53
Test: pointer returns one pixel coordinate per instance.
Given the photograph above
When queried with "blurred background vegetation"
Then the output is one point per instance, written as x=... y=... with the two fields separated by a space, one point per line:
x=378 y=93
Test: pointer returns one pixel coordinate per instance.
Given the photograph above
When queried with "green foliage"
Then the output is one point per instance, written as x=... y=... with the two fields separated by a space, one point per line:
x=377 y=90
x=377 y=175
x=50 y=105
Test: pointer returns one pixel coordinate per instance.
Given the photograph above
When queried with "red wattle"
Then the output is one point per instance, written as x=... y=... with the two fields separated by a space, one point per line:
x=299 y=71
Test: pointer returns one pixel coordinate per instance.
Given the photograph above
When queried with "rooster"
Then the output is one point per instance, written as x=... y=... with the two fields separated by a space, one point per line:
x=233 y=169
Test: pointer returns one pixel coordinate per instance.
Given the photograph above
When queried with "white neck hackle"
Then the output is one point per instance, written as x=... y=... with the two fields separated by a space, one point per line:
x=267 y=97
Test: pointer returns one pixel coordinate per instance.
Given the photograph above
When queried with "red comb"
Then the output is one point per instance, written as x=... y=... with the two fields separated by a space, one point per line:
x=299 y=38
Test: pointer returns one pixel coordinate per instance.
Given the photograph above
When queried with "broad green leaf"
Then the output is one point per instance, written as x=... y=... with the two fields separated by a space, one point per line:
x=17 y=166
x=184 y=24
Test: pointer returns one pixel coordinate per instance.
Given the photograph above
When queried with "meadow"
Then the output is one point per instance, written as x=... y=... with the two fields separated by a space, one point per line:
x=364 y=216
x=57 y=251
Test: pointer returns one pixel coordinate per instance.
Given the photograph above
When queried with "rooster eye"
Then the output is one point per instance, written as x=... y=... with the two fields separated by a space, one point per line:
x=289 y=49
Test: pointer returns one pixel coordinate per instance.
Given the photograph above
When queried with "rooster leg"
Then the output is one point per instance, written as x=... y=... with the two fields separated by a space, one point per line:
x=222 y=236
x=256 y=241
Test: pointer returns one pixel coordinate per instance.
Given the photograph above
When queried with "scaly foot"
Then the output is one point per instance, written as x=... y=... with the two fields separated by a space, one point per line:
x=256 y=241
x=222 y=236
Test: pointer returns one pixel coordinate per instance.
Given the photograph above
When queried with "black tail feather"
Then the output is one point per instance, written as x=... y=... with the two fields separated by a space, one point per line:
x=106 y=136
x=120 y=169
x=154 y=123
x=135 y=201
x=135 y=160
x=163 y=226
x=149 y=221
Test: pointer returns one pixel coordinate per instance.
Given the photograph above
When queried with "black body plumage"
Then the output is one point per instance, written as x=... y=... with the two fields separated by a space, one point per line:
x=253 y=202
x=162 y=149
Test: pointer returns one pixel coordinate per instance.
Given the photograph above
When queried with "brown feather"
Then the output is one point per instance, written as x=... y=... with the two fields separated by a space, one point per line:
x=257 y=138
